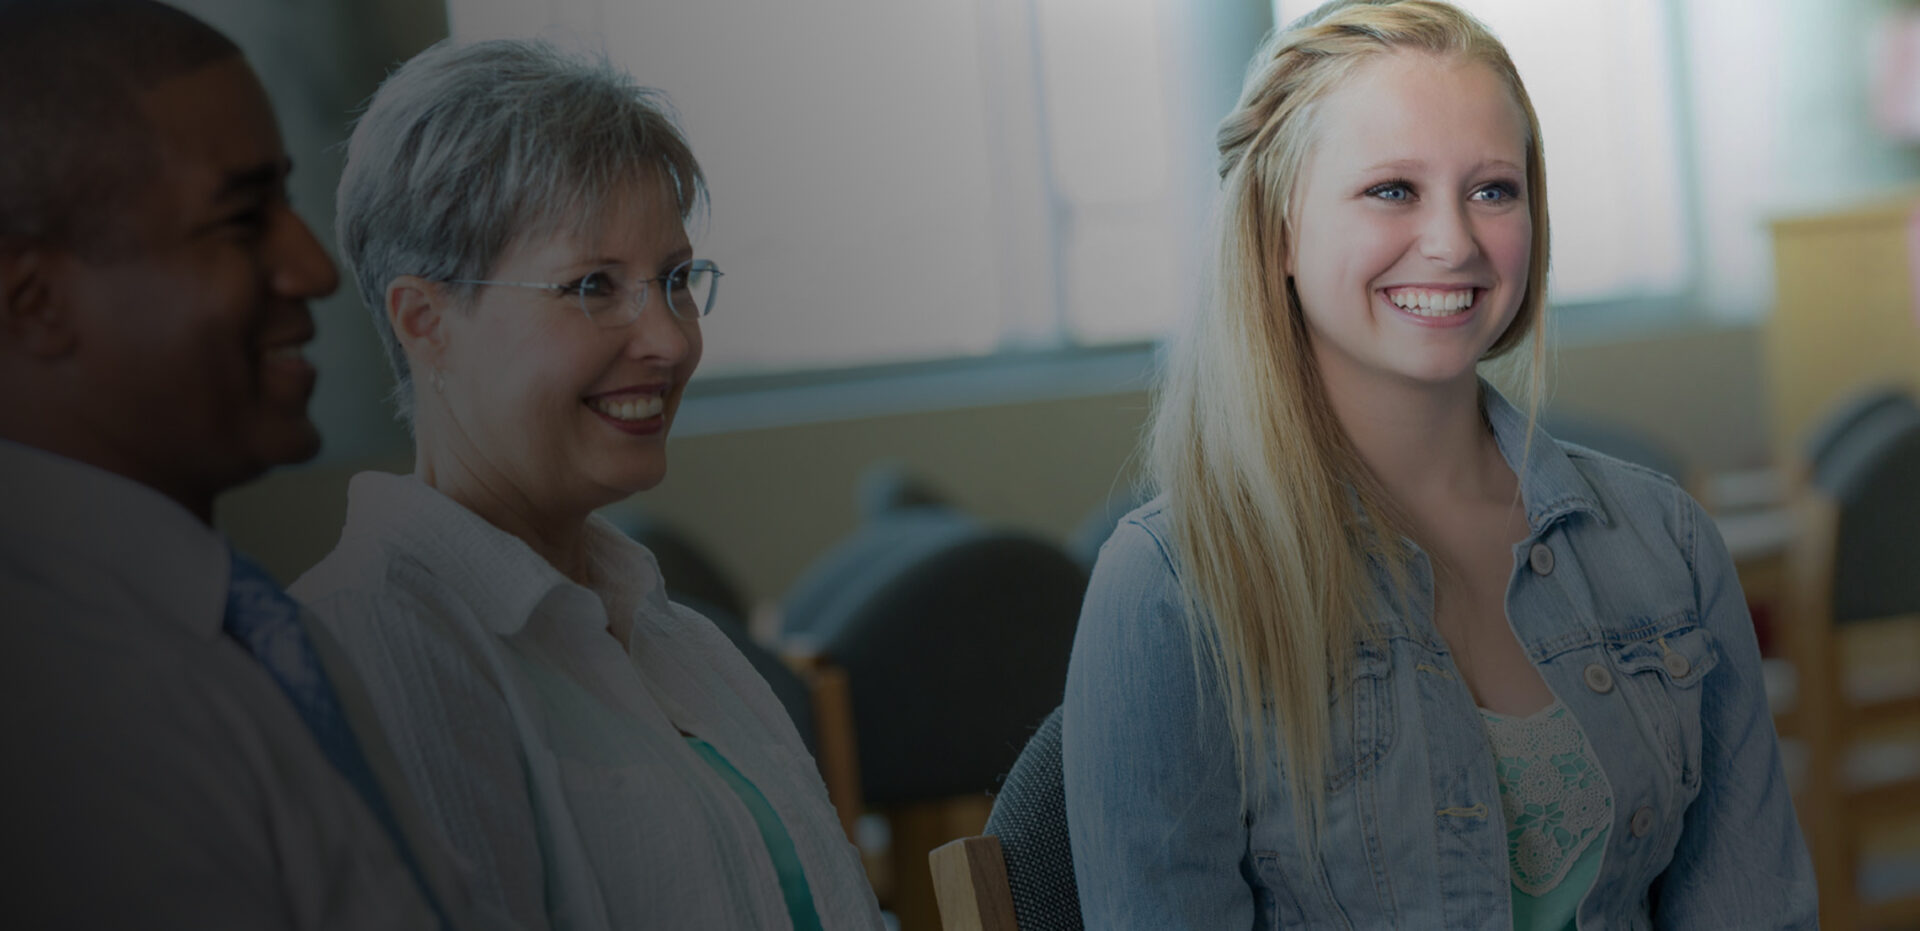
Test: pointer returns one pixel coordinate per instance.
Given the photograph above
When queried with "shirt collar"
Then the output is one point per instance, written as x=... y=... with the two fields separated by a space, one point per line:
x=1550 y=485
x=502 y=580
x=117 y=529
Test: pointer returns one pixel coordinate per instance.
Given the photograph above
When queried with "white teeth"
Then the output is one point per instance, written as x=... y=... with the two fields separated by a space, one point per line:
x=1429 y=303
x=630 y=408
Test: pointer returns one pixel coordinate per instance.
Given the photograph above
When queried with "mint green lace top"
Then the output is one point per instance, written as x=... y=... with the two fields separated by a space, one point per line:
x=1557 y=808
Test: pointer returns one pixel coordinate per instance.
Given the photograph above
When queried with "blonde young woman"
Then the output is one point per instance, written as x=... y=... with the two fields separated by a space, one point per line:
x=1382 y=653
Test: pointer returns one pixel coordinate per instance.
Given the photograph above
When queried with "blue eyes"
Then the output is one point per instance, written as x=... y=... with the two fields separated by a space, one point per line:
x=1401 y=192
x=1392 y=191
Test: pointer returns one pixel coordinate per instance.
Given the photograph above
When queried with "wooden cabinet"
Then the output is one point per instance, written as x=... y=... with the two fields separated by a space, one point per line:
x=1844 y=316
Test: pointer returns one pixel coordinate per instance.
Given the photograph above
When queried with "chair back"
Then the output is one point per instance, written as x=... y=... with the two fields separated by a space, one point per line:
x=1873 y=479
x=1030 y=818
x=787 y=685
x=691 y=575
x=954 y=637
x=1019 y=875
x=848 y=573
x=1832 y=429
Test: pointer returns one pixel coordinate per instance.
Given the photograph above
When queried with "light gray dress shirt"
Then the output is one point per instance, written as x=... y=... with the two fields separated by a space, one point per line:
x=157 y=777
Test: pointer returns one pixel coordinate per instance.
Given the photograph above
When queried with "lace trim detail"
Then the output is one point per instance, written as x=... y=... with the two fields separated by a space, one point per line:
x=1552 y=793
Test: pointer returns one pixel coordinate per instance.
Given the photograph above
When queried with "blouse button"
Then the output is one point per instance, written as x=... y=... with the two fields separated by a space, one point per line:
x=1677 y=665
x=1599 y=678
x=1642 y=821
x=1541 y=559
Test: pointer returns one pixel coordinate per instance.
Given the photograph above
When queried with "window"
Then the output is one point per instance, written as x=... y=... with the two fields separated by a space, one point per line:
x=912 y=181
x=932 y=179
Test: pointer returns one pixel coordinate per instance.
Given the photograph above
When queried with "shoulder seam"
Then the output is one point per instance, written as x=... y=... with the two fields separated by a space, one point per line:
x=1576 y=451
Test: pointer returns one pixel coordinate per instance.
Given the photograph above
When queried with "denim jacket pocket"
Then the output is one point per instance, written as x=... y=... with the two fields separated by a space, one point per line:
x=1662 y=680
x=1361 y=717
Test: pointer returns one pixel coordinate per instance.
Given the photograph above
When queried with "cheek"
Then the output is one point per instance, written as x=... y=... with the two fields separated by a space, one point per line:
x=696 y=344
x=1509 y=246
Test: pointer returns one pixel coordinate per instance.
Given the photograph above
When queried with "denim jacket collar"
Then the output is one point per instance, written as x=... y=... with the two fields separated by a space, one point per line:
x=1549 y=484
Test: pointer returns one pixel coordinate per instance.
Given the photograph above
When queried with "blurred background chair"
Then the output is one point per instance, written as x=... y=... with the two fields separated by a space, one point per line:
x=954 y=638
x=1018 y=876
x=1092 y=533
x=890 y=488
x=813 y=692
x=1853 y=417
x=1852 y=640
x=787 y=683
x=692 y=576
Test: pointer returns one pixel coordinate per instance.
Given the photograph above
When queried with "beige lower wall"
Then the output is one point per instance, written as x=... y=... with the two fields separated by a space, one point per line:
x=767 y=502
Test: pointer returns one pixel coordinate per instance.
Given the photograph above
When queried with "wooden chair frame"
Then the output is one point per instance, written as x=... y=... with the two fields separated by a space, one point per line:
x=1826 y=719
x=970 y=883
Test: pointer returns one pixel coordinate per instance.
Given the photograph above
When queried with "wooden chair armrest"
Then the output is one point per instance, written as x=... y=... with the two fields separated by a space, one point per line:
x=970 y=884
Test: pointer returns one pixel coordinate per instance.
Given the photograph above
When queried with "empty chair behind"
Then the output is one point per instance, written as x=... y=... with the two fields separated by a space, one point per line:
x=954 y=637
x=1829 y=434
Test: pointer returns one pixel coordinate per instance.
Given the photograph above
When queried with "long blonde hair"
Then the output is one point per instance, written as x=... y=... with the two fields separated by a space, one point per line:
x=1274 y=516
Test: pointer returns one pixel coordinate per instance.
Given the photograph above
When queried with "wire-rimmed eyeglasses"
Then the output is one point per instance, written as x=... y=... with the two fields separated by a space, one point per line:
x=611 y=302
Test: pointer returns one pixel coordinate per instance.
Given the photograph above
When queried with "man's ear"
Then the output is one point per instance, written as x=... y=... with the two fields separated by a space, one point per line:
x=418 y=309
x=35 y=304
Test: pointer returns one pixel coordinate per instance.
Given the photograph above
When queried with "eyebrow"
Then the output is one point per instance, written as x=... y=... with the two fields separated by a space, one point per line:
x=255 y=181
x=673 y=258
x=1406 y=164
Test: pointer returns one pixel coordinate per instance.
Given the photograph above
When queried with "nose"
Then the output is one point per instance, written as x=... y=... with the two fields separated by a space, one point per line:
x=1447 y=236
x=301 y=268
x=657 y=334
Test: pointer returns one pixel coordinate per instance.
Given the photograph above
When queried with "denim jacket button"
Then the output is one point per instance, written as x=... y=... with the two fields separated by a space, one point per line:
x=1599 y=678
x=1642 y=821
x=1677 y=665
x=1541 y=559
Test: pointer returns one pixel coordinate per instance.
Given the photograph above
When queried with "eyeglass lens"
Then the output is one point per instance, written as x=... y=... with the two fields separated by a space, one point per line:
x=611 y=302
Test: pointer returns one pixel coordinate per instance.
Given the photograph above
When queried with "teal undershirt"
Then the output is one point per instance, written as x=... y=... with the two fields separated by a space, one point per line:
x=786 y=859
x=1555 y=911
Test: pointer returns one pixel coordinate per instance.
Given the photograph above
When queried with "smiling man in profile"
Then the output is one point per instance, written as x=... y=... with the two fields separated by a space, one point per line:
x=184 y=749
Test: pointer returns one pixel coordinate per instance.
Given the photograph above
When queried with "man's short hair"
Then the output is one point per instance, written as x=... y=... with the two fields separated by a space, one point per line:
x=77 y=154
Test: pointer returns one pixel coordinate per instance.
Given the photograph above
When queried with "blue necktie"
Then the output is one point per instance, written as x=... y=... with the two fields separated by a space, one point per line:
x=266 y=622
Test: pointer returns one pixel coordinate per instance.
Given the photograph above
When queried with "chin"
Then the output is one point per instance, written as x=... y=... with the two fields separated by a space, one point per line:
x=638 y=477
x=286 y=443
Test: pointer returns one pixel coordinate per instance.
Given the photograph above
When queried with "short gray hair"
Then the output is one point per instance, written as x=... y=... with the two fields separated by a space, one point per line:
x=469 y=147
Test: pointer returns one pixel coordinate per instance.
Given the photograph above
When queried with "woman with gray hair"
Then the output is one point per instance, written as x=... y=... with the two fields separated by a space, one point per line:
x=597 y=756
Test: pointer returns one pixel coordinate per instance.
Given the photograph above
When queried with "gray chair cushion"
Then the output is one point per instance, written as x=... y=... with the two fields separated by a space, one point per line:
x=1030 y=818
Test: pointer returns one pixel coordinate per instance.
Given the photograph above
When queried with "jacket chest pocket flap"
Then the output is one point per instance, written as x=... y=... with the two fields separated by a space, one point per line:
x=1661 y=679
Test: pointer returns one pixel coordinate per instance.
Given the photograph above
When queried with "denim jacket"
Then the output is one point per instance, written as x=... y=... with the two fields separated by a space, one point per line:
x=1624 y=598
